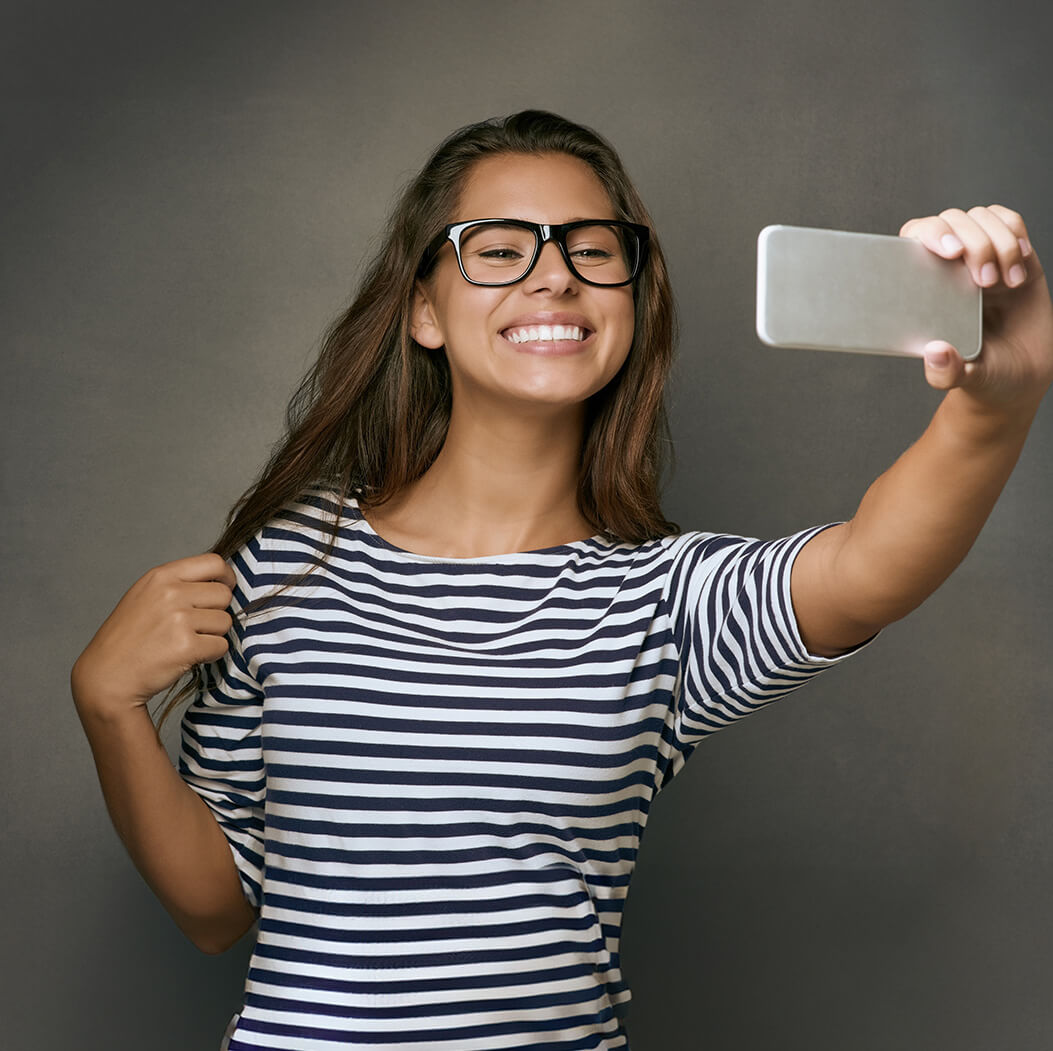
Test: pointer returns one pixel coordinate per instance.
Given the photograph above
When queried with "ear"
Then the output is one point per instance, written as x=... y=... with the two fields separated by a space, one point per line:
x=424 y=327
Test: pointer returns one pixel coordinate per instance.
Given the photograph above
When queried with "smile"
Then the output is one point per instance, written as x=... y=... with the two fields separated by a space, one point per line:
x=544 y=333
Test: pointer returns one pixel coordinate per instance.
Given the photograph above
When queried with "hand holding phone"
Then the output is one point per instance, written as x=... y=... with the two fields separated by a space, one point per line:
x=863 y=293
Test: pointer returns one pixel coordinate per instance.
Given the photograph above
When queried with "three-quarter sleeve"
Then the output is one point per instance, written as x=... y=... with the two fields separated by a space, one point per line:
x=221 y=757
x=735 y=629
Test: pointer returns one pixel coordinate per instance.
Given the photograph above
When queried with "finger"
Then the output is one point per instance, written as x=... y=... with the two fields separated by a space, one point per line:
x=207 y=648
x=944 y=367
x=980 y=256
x=1006 y=244
x=1015 y=222
x=209 y=595
x=208 y=566
x=936 y=234
x=211 y=622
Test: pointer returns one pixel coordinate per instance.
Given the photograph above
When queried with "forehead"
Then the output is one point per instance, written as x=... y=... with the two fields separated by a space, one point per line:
x=544 y=188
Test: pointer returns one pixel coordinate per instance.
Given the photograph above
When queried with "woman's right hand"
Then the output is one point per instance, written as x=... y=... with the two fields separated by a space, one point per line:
x=173 y=617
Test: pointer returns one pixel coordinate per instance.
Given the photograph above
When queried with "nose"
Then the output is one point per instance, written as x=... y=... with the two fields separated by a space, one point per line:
x=551 y=272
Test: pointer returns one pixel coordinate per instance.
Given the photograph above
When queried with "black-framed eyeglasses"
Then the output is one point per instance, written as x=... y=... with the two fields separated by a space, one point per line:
x=604 y=252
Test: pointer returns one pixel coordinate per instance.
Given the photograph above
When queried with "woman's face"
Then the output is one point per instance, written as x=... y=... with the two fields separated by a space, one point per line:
x=476 y=324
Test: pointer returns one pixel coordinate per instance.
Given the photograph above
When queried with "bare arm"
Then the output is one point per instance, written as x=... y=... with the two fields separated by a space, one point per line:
x=171 y=618
x=919 y=519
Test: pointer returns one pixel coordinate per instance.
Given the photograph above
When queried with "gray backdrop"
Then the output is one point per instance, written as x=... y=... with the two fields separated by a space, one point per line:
x=189 y=192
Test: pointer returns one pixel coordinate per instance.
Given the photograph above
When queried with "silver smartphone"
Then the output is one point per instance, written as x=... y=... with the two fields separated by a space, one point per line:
x=866 y=293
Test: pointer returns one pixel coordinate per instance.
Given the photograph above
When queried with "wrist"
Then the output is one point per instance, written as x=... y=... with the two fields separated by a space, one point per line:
x=102 y=705
x=982 y=422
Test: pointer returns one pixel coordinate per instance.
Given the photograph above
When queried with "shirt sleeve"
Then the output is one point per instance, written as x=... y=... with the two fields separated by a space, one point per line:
x=736 y=631
x=221 y=757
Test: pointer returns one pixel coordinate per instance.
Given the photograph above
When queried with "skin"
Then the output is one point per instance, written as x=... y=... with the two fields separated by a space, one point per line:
x=506 y=480
x=170 y=619
x=919 y=519
x=506 y=477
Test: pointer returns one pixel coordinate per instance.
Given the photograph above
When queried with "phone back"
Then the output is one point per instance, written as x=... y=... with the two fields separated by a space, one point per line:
x=867 y=293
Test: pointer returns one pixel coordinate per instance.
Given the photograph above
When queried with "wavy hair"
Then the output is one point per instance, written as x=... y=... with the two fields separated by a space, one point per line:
x=372 y=413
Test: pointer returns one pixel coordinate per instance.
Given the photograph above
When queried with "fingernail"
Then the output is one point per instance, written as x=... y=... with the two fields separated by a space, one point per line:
x=1025 y=246
x=951 y=243
x=988 y=274
x=937 y=356
x=1016 y=274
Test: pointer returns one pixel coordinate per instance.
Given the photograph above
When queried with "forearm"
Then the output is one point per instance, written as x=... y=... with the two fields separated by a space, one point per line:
x=915 y=524
x=167 y=829
x=920 y=518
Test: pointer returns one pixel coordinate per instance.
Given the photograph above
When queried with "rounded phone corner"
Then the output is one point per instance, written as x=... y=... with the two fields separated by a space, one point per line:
x=763 y=334
x=767 y=233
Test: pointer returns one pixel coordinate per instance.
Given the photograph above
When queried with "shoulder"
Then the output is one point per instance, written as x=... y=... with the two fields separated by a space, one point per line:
x=298 y=535
x=695 y=547
x=705 y=564
x=316 y=513
x=679 y=561
x=723 y=547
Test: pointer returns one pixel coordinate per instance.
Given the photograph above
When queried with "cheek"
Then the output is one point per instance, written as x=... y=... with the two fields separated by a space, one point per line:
x=469 y=309
x=625 y=327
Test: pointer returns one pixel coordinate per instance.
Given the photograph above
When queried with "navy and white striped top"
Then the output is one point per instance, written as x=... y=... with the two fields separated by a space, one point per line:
x=434 y=773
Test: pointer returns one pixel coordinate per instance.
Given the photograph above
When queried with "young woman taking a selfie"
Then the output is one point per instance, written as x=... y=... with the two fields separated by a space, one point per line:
x=449 y=649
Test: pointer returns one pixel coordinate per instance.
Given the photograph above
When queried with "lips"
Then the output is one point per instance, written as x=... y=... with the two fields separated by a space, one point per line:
x=551 y=329
x=545 y=333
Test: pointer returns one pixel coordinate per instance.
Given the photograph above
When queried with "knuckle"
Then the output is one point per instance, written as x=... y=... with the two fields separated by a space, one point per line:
x=154 y=576
x=185 y=649
x=1008 y=212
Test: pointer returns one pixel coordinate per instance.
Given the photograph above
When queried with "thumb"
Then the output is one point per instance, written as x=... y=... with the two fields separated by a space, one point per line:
x=943 y=365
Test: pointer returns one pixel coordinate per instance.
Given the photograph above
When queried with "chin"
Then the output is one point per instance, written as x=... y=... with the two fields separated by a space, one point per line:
x=537 y=390
x=557 y=395
x=561 y=390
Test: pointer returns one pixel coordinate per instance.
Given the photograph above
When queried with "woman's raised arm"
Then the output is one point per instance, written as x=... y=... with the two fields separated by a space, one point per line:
x=173 y=617
x=919 y=519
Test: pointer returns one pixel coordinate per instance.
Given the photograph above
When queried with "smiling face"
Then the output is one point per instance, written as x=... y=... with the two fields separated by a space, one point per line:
x=549 y=341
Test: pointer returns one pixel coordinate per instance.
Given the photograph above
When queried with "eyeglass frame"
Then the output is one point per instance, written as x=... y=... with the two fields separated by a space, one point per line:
x=543 y=233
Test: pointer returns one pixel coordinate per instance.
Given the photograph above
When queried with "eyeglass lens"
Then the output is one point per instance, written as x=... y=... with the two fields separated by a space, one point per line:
x=496 y=253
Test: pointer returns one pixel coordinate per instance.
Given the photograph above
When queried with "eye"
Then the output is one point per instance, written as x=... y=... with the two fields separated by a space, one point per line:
x=500 y=254
x=591 y=253
x=594 y=245
x=496 y=245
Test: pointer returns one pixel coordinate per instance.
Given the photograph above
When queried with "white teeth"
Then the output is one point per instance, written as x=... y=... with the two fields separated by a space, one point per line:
x=537 y=333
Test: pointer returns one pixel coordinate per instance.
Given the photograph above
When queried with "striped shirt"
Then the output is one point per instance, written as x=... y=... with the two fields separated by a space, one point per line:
x=434 y=773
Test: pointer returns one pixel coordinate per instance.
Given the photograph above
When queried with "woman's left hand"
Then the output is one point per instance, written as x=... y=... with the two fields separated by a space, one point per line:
x=1015 y=367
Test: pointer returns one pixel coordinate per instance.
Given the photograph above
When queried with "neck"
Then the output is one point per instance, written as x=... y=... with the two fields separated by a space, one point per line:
x=501 y=483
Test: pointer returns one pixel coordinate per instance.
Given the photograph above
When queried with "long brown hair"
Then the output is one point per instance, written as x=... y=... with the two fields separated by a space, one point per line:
x=372 y=413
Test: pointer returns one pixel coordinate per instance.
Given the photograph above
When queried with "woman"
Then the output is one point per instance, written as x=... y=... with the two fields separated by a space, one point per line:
x=464 y=648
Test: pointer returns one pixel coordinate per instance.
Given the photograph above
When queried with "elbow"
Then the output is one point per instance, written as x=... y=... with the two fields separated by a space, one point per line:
x=210 y=944
x=213 y=947
x=215 y=937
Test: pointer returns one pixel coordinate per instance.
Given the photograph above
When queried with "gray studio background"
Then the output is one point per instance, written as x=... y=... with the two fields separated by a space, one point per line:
x=189 y=193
